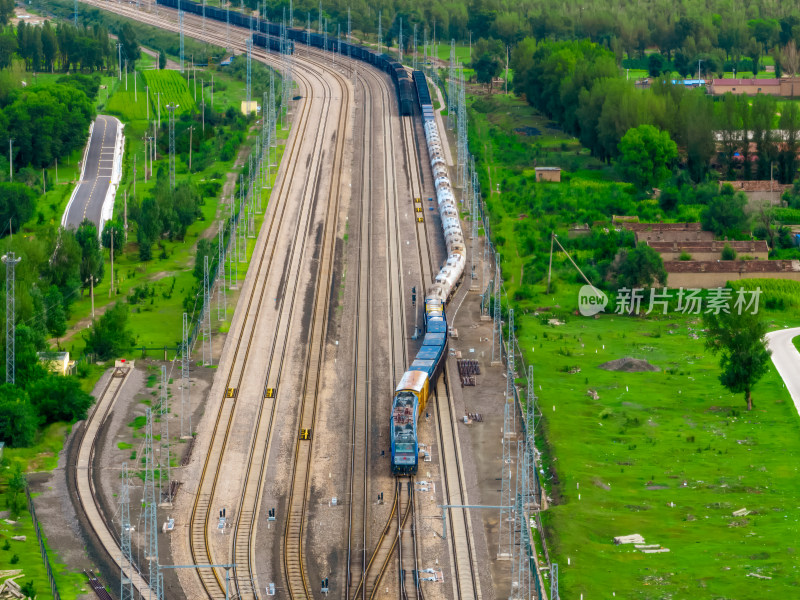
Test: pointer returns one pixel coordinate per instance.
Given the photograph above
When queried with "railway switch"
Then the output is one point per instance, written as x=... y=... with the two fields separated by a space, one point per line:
x=305 y=434
x=420 y=219
x=271 y=514
x=230 y=393
x=270 y=393
x=324 y=588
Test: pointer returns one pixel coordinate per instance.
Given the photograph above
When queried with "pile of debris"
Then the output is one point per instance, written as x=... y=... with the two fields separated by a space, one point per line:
x=629 y=364
x=10 y=588
x=639 y=543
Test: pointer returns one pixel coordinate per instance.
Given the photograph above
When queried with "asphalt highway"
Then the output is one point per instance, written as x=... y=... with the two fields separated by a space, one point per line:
x=92 y=189
x=786 y=359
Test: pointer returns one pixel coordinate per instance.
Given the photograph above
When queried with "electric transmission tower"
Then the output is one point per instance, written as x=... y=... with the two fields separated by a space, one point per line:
x=380 y=30
x=11 y=265
x=150 y=509
x=126 y=558
x=414 y=61
x=180 y=18
x=249 y=61
x=76 y=14
x=400 y=41
x=206 y=315
x=171 y=108
x=497 y=330
x=506 y=526
x=164 y=441
x=451 y=86
x=185 y=400
x=222 y=300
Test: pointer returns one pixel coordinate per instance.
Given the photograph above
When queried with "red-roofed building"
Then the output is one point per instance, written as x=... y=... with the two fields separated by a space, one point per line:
x=787 y=87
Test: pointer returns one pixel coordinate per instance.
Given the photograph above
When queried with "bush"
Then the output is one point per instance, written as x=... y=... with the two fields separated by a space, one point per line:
x=685 y=256
x=17 y=417
x=109 y=335
x=59 y=398
x=728 y=253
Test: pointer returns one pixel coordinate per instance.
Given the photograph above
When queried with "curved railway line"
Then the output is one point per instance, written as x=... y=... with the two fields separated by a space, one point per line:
x=84 y=481
x=359 y=570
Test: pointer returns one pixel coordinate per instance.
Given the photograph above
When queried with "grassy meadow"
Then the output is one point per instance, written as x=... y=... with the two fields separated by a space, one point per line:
x=669 y=454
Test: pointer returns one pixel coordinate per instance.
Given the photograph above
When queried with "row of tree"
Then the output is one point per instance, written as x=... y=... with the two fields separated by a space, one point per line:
x=45 y=122
x=64 y=47
x=577 y=84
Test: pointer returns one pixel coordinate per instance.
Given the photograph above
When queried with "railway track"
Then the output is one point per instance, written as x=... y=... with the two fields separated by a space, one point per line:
x=246 y=513
x=461 y=540
x=84 y=481
x=293 y=559
x=376 y=103
x=294 y=568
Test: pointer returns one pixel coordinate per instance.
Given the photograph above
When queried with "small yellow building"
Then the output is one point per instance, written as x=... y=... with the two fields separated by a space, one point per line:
x=548 y=174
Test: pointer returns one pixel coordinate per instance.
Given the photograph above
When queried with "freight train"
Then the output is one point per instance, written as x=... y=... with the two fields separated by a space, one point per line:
x=268 y=33
x=419 y=382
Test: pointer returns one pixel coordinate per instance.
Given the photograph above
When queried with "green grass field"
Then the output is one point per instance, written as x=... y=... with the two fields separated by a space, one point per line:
x=130 y=103
x=173 y=89
x=28 y=558
x=669 y=455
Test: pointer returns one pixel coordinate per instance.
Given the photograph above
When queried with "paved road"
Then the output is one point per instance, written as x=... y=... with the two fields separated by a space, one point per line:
x=786 y=359
x=92 y=189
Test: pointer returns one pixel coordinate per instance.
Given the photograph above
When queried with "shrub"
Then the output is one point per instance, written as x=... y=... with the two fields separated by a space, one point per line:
x=685 y=256
x=728 y=253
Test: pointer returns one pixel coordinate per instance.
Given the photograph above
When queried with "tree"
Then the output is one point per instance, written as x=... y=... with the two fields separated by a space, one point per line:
x=162 y=60
x=91 y=255
x=724 y=214
x=641 y=267
x=486 y=69
x=17 y=417
x=646 y=155
x=119 y=235
x=59 y=398
x=655 y=65
x=55 y=315
x=739 y=339
x=16 y=485
x=109 y=335
x=130 y=47
x=790 y=125
x=17 y=203
x=28 y=341
x=8 y=45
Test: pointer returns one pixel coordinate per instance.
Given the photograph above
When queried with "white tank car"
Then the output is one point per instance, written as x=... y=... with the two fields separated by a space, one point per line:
x=452 y=271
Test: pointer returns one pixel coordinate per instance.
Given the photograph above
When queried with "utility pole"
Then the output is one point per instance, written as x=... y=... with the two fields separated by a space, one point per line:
x=190 y=147
x=90 y=281
x=76 y=14
x=171 y=108
x=11 y=159
x=380 y=31
x=112 y=253
x=11 y=263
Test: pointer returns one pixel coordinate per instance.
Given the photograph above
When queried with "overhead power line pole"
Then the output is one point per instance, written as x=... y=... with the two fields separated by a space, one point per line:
x=11 y=264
